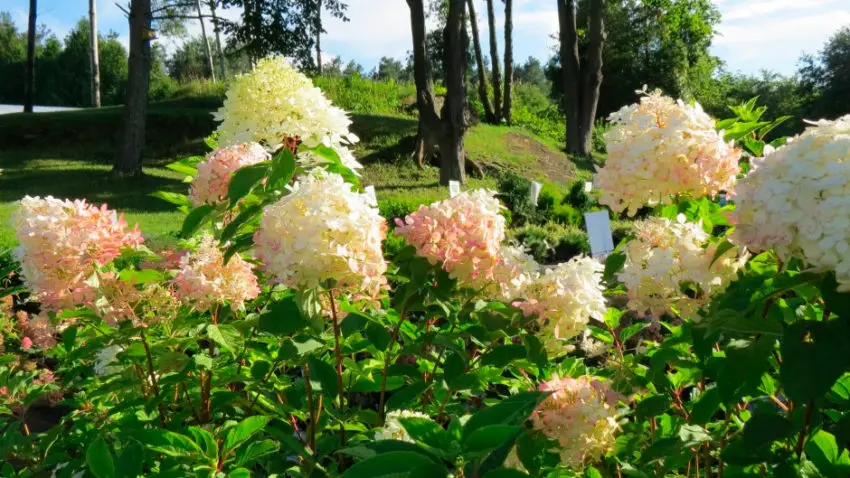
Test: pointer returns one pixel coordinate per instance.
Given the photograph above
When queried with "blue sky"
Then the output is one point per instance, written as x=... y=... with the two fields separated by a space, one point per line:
x=753 y=35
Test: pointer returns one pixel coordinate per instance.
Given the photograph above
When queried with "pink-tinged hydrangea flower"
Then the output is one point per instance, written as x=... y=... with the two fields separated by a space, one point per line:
x=393 y=429
x=564 y=298
x=116 y=300
x=60 y=244
x=796 y=200
x=323 y=230
x=37 y=331
x=581 y=415
x=204 y=280
x=664 y=257
x=213 y=179
x=660 y=148
x=274 y=103
x=464 y=234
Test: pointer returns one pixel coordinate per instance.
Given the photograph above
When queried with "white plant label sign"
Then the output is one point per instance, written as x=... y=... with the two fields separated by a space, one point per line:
x=454 y=188
x=588 y=186
x=534 y=194
x=370 y=193
x=599 y=232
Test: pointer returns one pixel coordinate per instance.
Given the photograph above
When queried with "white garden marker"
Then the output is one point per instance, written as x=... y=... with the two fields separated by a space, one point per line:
x=588 y=186
x=534 y=193
x=599 y=233
x=370 y=193
x=454 y=188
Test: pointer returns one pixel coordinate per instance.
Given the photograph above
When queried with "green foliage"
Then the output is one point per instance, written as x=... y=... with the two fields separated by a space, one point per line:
x=365 y=96
x=552 y=243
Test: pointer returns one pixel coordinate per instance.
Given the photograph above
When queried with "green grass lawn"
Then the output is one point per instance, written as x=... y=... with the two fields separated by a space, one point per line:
x=68 y=155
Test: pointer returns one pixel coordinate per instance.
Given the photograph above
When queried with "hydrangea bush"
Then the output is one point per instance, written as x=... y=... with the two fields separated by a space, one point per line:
x=281 y=340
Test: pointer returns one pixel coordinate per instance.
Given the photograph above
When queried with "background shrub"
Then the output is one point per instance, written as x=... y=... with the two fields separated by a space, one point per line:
x=552 y=243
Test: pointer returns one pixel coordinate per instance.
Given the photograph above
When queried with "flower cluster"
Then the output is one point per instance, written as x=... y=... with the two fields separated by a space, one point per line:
x=60 y=242
x=323 y=230
x=213 y=179
x=464 y=234
x=37 y=331
x=564 y=298
x=581 y=414
x=669 y=267
x=274 y=104
x=660 y=148
x=393 y=429
x=796 y=200
x=203 y=279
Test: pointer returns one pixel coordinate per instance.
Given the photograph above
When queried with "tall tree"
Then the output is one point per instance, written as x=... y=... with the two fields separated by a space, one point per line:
x=95 y=55
x=479 y=60
x=128 y=158
x=29 y=86
x=217 y=29
x=206 y=40
x=509 y=59
x=494 y=61
x=581 y=81
x=318 y=28
x=446 y=131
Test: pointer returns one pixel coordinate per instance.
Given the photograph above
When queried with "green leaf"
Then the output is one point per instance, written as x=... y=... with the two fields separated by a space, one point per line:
x=513 y=410
x=256 y=450
x=131 y=460
x=183 y=168
x=765 y=428
x=227 y=337
x=240 y=243
x=367 y=450
x=693 y=435
x=244 y=180
x=243 y=217
x=397 y=464
x=282 y=318
x=405 y=396
x=490 y=437
x=746 y=361
x=325 y=374
x=814 y=356
x=206 y=441
x=240 y=473
x=378 y=335
x=99 y=459
x=822 y=449
x=196 y=218
x=428 y=432
x=705 y=406
x=260 y=369
x=167 y=443
x=173 y=198
x=652 y=407
x=453 y=366
x=283 y=167
x=502 y=355
x=244 y=431
x=592 y=472
x=722 y=248
x=506 y=473
x=613 y=264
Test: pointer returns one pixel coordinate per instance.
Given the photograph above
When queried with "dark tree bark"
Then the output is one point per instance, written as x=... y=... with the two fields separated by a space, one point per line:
x=94 y=62
x=509 y=60
x=494 y=61
x=128 y=159
x=581 y=82
x=452 y=157
x=319 y=36
x=430 y=127
x=29 y=84
x=217 y=28
x=210 y=63
x=479 y=60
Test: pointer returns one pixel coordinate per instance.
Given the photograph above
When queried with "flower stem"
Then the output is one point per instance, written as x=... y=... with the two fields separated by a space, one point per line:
x=338 y=351
x=806 y=419
x=154 y=385
x=311 y=428
x=393 y=339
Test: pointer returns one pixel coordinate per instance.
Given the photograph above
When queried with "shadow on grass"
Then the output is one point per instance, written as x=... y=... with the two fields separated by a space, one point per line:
x=95 y=185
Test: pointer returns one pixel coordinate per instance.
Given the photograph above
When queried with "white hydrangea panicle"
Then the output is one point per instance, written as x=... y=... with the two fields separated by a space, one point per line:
x=274 y=104
x=796 y=200
x=665 y=256
x=393 y=429
x=323 y=230
x=660 y=148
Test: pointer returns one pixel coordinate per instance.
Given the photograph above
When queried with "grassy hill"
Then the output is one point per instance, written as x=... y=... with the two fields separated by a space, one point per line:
x=68 y=155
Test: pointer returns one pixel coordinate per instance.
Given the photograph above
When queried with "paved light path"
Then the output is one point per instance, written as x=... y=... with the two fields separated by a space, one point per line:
x=6 y=109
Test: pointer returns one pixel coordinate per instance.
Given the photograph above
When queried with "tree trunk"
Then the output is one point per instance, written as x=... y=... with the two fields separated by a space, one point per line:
x=494 y=62
x=319 y=36
x=95 y=55
x=217 y=29
x=29 y=85
x=430 y=127
x=509 y=60
x=479 y=60
x=451 y=147
x=128 y=158
x=571 y=73
x=592 y=74
x=206 y=41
